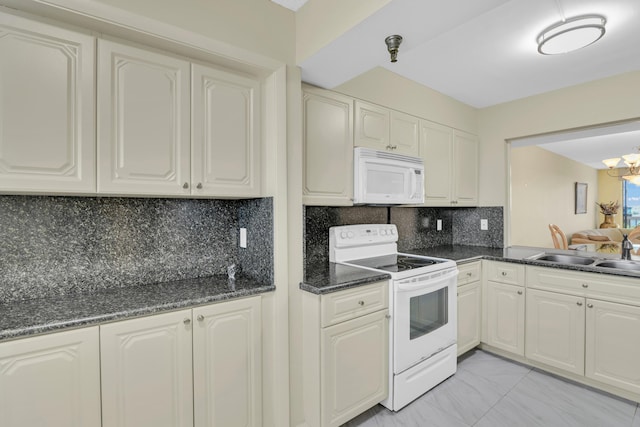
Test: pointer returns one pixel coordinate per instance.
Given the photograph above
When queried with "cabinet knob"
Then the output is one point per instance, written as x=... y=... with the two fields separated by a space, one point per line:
x=579 y=304
x=519 y=292
x=469 y=274
x=590 y=305
x=585 y=285
x=185 y=185
x=200 y=317
x=504 y=273
x=199 y=186
x=186 y=321
x=361 y=302
x=388 y=316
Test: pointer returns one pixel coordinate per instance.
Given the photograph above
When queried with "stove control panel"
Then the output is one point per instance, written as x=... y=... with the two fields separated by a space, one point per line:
x=362 y=234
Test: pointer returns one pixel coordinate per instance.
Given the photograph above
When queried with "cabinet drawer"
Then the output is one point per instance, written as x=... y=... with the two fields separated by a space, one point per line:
x=590 y=285
x=504 y=272
x=345 y=305
x=468 y=273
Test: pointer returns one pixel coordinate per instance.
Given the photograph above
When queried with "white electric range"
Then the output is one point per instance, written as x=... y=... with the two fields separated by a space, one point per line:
x=422 y=306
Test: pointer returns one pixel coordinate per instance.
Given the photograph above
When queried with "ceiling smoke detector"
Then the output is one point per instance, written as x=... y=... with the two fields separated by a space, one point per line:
x=393 y=44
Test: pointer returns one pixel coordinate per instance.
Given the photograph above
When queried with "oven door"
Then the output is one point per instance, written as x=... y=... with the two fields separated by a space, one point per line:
x=425 y=317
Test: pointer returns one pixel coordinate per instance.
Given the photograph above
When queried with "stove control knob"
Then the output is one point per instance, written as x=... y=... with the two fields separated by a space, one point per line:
x=343 y=234
x=383 y=232
x=393 y=231
x=350 y=235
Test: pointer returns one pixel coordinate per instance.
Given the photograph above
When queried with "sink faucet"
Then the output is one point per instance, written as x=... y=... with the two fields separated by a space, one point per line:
x=626 y=247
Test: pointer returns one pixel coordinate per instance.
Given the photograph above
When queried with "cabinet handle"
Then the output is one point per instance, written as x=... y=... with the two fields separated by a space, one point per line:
x=199 y=186
x=519 y=292
x=585 y=285
x=504 y=273
x=590 y=305
x=186 y=321
x=185 y=185
x=579 y=304
x=200 y=317
x=361 y=302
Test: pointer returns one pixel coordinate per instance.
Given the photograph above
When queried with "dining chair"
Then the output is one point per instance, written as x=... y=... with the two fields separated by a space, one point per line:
x=558 y=237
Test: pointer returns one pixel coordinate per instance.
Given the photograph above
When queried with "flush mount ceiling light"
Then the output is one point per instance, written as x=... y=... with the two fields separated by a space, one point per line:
x=571 y=34
x=632 y=170
x=393 y=44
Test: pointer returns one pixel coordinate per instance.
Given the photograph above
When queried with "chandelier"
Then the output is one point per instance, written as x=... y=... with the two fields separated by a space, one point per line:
x=631 y=170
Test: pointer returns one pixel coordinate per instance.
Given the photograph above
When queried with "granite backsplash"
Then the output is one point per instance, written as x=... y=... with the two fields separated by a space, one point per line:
x=416 y=226
x=62 y=245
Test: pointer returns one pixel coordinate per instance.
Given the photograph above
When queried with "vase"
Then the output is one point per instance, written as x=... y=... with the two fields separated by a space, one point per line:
x=608 y=222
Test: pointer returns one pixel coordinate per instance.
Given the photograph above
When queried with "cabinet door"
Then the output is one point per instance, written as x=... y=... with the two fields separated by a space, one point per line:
x=354 y=366
x=405 y=134
x=505 y=306
x=226 y=134
x=143 y=121
x=465 y=169
x=47 y=125
x=613 y=344
x=51 y=380
x=372 y=126
x=328 y=148
x=437 y=152
x=469 y=316
x=227 y=360
x=146 y=371
x=555 y=330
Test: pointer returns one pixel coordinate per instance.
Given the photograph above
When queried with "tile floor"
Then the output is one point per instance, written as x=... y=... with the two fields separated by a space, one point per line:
x=488 y=391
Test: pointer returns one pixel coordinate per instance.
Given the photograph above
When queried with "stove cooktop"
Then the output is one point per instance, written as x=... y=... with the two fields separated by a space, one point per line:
x=396 y=263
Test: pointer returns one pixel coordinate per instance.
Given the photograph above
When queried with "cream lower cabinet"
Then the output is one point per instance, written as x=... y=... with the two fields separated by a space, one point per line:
x=199 y=367
x=469 y=307
x=328 y=148
x=147 y=377
x=504 y=306
x=613 y=344
x=555 y=330
x=346 y=353
x=47 y=108
x=51 y=380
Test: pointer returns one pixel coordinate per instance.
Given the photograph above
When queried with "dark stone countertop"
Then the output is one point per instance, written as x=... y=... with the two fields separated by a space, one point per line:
x=324 y=277
x=23 y=318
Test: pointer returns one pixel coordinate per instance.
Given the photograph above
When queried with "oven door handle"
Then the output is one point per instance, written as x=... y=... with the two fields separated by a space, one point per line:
x=428 y=283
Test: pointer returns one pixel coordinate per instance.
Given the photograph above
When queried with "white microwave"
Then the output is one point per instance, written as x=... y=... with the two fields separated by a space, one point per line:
x=383 y=178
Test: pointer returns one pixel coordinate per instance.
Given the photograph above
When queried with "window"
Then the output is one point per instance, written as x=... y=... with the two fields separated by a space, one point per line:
x=631 y=206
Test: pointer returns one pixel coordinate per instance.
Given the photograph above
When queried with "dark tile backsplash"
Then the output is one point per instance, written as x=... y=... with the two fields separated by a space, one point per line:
x=61 y=245
x=416 y=226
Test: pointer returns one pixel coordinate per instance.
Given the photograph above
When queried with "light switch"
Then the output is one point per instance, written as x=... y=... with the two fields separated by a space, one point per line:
x=484 y=224
x=439 y=225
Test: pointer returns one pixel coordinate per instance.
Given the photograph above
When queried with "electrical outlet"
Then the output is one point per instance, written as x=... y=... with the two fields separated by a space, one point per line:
x=243 y=237
x=484 y=224
x=439 y=225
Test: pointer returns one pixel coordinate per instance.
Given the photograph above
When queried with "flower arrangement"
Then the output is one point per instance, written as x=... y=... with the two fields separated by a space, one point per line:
x=610 y=208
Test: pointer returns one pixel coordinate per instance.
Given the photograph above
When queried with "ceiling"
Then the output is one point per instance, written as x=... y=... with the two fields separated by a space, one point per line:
x=483 y=52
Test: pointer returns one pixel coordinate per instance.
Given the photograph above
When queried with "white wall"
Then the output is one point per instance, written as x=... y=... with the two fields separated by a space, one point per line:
x=602 y=101
x=542 y=192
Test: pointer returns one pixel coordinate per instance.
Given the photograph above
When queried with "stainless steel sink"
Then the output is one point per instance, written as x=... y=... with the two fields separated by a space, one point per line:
x=564 y=259
x=619 y=264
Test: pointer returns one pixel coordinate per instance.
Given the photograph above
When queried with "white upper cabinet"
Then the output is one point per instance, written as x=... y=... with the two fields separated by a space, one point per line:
x=225 y=156
x=47 y=126
x=143 y=121
x=387 y=130
x=328 y=148
x=451 y=165
x=465 y=169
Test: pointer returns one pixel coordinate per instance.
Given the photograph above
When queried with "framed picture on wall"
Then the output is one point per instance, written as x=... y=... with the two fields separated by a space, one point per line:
x=581 y=197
